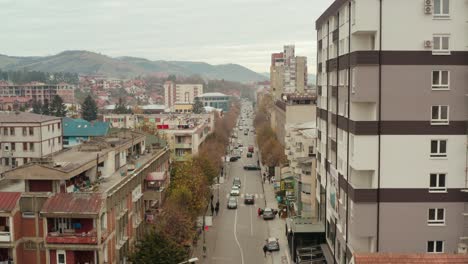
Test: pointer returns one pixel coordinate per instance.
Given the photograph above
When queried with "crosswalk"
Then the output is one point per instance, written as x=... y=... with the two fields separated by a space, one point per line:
x=242 y=195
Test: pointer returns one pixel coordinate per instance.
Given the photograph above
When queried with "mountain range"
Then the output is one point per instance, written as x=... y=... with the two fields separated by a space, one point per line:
x=86 y=62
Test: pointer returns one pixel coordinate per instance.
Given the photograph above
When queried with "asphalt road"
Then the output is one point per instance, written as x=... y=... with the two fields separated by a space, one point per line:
x=238 y=235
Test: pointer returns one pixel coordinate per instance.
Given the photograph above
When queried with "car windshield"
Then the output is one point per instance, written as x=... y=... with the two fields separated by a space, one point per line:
x=232 y=200
x=267 y=210
x=235 y=188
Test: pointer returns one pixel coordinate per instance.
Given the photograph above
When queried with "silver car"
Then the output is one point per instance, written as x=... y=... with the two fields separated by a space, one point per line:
x=232 y=203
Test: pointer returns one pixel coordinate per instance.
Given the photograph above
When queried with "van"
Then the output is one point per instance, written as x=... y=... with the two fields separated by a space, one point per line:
x=251 y=149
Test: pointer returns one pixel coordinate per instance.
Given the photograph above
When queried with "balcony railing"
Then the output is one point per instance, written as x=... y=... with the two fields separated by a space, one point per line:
x=183 y=145
x=5 y=236
x=70 y=236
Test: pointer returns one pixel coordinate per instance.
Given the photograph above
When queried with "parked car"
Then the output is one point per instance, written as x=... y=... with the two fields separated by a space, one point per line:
x=234 y=158
x=246 y=133
x=232 y=203
x=235 y=191
x=249 y=199
x=251 y=167
x=249 y=154
x=269 y=214
x=236 y=182
x=272 y=244
x=251 y=148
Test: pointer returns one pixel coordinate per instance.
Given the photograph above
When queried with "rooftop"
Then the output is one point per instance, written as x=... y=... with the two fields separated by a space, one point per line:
x=65 y=203
x=8 y=201
x=213 y=95
x=23 y=117
x=81 y=127
x=395 y=258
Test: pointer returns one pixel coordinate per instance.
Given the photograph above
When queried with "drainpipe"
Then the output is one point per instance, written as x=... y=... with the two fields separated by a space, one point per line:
x=379 y=127
x=348 y=171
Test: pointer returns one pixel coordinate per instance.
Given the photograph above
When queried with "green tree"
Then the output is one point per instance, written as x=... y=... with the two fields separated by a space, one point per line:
x=37 y=107
x=45 y=108
x=157 y=247
x=57 y=107
x=198 y=107
x=89 y=109
x=121 y=107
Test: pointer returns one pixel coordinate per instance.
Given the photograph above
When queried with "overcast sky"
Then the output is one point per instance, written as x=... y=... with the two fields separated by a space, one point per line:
x=214 y=31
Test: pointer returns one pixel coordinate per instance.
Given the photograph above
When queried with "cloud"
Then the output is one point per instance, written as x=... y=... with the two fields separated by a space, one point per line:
x=227 y=31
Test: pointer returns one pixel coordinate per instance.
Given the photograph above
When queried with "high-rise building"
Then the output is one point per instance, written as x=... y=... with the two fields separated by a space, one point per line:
x=180 y=93
x=288 y=73
x=392 y=113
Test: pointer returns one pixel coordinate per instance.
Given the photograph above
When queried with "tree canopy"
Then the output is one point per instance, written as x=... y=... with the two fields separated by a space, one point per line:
x=158 y=247
x=57 y=107
x=198 y=107
x=89 y=109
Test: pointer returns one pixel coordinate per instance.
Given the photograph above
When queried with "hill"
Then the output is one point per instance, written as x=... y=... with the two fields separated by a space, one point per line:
x=85 y=62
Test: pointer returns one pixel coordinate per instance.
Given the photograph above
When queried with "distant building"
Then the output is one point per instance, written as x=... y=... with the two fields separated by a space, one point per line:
x=153 y=108
x=27 y=136
x=77 y=131
x=183 y=108
x=216 y=100
x=36 y=91
x=180 y=93
x=121 y=120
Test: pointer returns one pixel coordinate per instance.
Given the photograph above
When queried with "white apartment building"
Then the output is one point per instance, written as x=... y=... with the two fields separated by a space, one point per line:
x=26 y=136
x=180 y=93
x=392 y=113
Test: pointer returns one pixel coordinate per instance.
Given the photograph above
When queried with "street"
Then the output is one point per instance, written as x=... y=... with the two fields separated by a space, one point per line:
x=238 y=235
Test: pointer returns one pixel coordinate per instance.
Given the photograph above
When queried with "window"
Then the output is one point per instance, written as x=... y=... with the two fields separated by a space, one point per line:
x=439 y=115
x=440 y=80
x=61 y=257
x=58 y=125
x=440 y=44
x=441 y=8
x=12 y=131
x=438 y=148
x=437 y=182
x=59 y=140
x=25 y=146
x=13 y=146
x=5 y=131
x=435 y=246
x=25 y=131
x=436 y=216
x=31 y=146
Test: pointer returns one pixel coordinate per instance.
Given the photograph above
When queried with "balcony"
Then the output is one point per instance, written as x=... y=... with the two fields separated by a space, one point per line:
x=72 y=231
x=72 y=237
x=5 y=236
x=183 y=145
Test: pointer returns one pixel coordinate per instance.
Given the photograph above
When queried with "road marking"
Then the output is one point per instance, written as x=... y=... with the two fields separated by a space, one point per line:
x=235 y=237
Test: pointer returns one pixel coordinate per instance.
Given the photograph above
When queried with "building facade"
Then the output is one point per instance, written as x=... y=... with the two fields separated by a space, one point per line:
x=216 y=100
x=391 y=121
x=84 y=205
x=180 y=93
x=27 y=136
x=77 y=131
x=36 y=91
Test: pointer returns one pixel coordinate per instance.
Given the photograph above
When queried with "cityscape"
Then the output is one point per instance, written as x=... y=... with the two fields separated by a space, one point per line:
x=300 y=132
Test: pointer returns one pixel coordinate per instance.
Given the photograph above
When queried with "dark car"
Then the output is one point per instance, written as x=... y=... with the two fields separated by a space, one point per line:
x=251 y=167
x=272 y=244
x=249 y=154
x=269 y=214
x=249 y=199
x=234 y=158
x=232 y=203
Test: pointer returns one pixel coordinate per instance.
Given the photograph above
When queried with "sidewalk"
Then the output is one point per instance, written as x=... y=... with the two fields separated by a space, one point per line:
x=276 y=228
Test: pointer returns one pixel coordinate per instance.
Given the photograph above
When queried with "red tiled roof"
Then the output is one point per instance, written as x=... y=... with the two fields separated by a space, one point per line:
x=391 y=258
x=8 y=200
x=81 y=203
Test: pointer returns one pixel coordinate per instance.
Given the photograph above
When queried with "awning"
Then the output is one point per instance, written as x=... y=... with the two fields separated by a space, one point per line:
x=156 y=176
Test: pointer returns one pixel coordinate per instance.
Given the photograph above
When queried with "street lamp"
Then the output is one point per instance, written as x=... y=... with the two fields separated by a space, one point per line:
x=190 y=261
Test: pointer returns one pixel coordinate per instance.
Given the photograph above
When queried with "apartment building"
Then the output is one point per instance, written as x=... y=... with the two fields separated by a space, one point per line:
x=392 y=135
x=36 y=91
x=180 y=93
x=86 y=204
x=27 y=136
x=215 y=100
x=288 y=73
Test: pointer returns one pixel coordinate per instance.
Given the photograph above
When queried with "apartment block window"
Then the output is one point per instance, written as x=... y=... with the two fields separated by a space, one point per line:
x=441 y=44
x=13 y=146
x=25 y=132
x=437 y=182
x=439 y=115
x=25 y=146
x=436 y=216
x=5 y=131
x=440 y=80
x=441 y=8
x=438 y=148
x=31 y=146
x=12 y=131
x=31 y=131
x=435 y=246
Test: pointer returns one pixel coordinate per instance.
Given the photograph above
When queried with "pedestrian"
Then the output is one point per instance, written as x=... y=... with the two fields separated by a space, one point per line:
x=258 y=211
x=217 y=209
x=212 y=197
x=265 y=249
x=212 y=210
x=217 y=204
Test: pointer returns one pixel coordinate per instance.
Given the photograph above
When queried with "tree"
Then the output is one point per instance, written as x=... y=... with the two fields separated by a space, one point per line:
x=198 y=107
x=45 y=108
x=156 y=246
x=121 y=107
x=37 y=107
x=57 y=107
x=89 y=109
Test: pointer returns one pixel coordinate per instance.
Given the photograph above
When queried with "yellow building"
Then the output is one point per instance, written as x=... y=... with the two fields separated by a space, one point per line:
x=183 y=107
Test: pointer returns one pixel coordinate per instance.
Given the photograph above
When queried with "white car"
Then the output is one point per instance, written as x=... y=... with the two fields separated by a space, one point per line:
x=235 y=191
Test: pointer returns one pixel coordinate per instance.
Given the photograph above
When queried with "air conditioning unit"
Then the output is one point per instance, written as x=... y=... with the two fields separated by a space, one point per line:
x=428 y=9
x=427 y=44
x=462 y=248
x=427 y=2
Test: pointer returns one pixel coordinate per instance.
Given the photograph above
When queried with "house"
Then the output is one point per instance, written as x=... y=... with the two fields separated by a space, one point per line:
x=75 y=131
